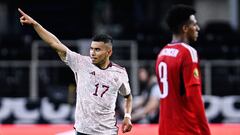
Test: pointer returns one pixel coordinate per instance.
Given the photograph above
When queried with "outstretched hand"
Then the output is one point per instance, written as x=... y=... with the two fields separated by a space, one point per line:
x=26 y=19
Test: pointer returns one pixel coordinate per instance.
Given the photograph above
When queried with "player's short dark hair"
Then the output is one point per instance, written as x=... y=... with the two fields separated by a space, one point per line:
x=177 y=16
x=103 y=38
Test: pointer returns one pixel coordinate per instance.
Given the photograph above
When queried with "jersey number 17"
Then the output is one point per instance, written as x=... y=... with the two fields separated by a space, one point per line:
x=105 y=87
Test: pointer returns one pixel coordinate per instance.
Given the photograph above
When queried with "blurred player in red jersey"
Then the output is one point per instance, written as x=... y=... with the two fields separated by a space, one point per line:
x=177 y=68
x=98 y=83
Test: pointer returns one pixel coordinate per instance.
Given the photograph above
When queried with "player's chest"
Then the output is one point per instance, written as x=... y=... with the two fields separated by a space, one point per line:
x=101 y=83
x=102 y=77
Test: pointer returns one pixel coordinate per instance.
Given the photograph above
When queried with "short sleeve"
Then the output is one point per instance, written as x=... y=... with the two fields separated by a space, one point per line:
x=125 y=89
x=75 y=61
x=72 y=59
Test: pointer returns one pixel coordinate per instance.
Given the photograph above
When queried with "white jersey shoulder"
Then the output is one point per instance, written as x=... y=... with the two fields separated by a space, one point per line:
x=124 y=88
x=118 y=67
x=192 y=52
x=121 y=72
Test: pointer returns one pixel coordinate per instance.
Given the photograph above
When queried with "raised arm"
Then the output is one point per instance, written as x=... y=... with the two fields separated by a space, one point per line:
x=45 y=35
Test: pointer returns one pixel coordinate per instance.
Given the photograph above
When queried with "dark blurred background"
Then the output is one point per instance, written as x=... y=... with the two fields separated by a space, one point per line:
x=141 y=21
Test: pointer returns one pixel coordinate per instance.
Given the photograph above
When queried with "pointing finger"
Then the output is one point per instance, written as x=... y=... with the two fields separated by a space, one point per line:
x=21 y=11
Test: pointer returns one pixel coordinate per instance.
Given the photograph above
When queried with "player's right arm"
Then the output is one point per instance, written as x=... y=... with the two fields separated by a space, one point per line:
x=45 y=35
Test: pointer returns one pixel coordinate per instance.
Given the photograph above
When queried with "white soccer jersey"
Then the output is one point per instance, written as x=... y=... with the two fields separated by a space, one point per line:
x=97 y=91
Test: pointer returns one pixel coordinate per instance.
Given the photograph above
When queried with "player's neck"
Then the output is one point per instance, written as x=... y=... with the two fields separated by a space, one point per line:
x=179 y=38
x=104 y=65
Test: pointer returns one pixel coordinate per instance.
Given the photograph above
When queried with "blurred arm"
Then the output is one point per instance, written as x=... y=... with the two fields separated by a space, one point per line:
x=151 y=105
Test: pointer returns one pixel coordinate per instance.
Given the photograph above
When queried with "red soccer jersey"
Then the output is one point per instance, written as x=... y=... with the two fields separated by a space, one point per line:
x=181 y=106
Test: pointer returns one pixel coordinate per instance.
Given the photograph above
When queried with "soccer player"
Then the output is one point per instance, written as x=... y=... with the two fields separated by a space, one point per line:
x=98 y=83
x=177 y=68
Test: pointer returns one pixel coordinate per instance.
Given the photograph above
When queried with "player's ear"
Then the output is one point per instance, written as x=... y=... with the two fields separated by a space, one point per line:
x=109 y=52
x=185 y=28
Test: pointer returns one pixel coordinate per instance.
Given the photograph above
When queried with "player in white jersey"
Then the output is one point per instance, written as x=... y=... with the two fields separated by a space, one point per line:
x=98 y=83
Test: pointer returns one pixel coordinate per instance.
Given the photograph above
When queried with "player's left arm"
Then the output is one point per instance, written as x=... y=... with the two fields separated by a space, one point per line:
x=125 y=91
x=192 y=82
x=194 y=97
x=127 y=124
x=196 y=103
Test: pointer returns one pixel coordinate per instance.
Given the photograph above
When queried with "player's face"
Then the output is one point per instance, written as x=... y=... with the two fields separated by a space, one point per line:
x=193 y=29
x=100 y=53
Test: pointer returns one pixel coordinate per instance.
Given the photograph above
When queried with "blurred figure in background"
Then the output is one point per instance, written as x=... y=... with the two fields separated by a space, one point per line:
x=178 y=74
x=146 y=104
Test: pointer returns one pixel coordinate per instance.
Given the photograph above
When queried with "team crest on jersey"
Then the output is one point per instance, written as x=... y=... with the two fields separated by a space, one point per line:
x=115 y=79
x=196 y=73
